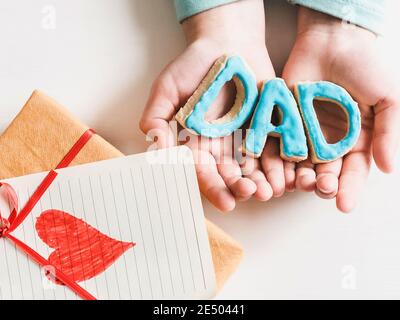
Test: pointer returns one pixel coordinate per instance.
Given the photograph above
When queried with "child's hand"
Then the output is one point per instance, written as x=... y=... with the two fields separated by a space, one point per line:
x=327 y=49
x=235 y=28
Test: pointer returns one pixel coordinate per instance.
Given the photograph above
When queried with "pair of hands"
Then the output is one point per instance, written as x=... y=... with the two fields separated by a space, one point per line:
x=325 y=49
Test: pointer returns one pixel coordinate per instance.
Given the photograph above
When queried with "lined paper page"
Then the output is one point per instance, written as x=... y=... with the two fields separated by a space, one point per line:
x=150 y=199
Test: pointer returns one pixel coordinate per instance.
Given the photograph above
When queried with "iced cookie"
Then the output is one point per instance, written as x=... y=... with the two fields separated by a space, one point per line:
x=322 y=151
x=290 y=130
x=226 y=68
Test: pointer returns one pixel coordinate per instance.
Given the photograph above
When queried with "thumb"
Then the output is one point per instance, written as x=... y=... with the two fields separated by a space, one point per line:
x=386 y=133
x=159 y=111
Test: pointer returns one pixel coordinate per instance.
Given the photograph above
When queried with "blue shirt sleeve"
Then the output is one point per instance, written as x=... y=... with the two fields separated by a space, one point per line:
x=369 y=14
x=187 y=8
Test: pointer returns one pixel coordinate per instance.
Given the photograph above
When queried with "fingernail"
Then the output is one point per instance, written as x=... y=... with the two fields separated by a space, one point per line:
x=325 y=190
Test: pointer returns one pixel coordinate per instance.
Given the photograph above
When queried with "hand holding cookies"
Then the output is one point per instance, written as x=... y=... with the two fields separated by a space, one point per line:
x=339 y=150
x=298 y=121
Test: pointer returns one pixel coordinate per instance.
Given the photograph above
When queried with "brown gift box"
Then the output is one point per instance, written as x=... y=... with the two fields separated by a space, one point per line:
x=43 y=132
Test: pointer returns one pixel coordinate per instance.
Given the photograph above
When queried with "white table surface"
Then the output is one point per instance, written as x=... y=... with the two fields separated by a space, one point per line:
x=99 y=57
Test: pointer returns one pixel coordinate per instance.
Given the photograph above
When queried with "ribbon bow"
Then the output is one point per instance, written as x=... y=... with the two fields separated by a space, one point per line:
x=7 y=223
x=16 y=218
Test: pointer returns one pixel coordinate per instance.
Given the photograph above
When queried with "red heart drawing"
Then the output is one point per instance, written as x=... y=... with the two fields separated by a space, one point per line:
x=81 y=251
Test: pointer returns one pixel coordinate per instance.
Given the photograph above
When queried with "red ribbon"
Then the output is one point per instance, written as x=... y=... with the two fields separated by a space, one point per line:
x=14 y=220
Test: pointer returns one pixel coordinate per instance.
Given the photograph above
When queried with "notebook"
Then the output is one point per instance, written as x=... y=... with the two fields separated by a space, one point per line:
x=147 y=209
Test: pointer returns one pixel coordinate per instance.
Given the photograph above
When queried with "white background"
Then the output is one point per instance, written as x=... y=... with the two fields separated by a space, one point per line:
x=99 y=57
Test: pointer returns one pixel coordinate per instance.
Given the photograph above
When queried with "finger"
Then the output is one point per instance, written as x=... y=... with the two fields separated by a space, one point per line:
x=305 y=176
x=289 y=169
x=264 y=190
x=251 y=169
x=211 y=183
x=242 y=188
x=160 y=109
x=327 y=183
x=272 y=165
x=386 y=134
x=354 y=173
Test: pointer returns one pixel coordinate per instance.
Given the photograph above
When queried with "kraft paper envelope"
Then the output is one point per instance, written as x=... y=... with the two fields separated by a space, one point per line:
x=43 y=132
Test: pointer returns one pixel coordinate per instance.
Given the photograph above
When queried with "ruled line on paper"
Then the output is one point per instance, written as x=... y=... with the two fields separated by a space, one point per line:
x=183 y=224
x=87 y=228
x=120 y=234
x=17 y=256
x=57 y=244
x=62 y=209
x=97 y=224
x=36 y=244
x=108 y=231
x=173 y=229
x=47 y=248
x=194 y=224
x=8 y=268
x=152 y=231
x=162 y=228
x=131 y=232
x=73 y=210
x=141 y=235
x=68 y=183
x=27 y=262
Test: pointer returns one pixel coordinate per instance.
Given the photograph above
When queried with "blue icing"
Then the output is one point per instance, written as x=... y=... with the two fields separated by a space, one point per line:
x=196 y=120
x=276 y=93
x=323 y=150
